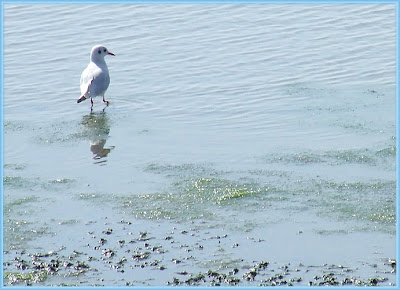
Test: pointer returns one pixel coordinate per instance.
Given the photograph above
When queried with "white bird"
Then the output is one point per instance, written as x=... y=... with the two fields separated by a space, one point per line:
x=95 y=78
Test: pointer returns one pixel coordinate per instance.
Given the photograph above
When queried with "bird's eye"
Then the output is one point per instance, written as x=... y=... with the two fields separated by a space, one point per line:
x=99 y=51
x=105 y=50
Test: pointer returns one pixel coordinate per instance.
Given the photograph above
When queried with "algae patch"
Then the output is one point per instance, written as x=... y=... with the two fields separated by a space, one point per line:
x=338 y=157
x=368 y=201
x=217 y=191
x=15 y=166
x=20 y=201
x=18 y=182
x=28 y=278
x=199 y=192
x=192 y=198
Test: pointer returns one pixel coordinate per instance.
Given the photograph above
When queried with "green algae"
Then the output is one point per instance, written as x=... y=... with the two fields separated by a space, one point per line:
x=357 y=156
x=93 y=196
x=200 y=192
x=18 y=182
x=183 y=170
x=337 y=157
x=191 y=198
x=18 y=233
x=218 y=191
x=387 y=152
x=28 y=278
x=15 y=166
x=20 y=201
x=14 y=126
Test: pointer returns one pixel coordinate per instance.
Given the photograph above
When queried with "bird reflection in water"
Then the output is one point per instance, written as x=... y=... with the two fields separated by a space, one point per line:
x=96 y=130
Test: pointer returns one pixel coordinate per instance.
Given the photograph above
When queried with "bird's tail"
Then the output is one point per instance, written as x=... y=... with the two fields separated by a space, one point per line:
x=81 y=99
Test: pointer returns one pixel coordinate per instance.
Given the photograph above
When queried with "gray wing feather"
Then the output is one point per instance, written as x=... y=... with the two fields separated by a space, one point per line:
x=86 y=80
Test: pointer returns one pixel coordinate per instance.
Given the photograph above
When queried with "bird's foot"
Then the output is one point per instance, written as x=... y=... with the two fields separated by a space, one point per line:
x=107 y=102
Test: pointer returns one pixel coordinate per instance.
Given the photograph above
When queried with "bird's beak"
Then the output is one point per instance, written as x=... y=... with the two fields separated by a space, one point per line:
x=111 y=53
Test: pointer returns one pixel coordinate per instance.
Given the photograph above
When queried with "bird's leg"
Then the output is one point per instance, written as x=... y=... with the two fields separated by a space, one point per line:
x=91 y=108
x=107 y=102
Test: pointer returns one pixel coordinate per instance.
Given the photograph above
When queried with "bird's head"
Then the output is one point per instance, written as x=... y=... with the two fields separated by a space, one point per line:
x=99 y=52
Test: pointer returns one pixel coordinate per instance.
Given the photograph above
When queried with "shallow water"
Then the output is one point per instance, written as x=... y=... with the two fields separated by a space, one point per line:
x=235 y=134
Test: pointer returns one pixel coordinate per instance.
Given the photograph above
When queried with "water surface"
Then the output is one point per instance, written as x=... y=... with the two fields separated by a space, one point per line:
x=269 y=128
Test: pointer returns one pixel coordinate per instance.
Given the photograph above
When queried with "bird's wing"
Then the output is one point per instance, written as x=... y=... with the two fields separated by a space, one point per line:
x=87 y=78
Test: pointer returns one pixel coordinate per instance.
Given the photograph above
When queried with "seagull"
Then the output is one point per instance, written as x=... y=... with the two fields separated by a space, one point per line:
x=95 y=78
